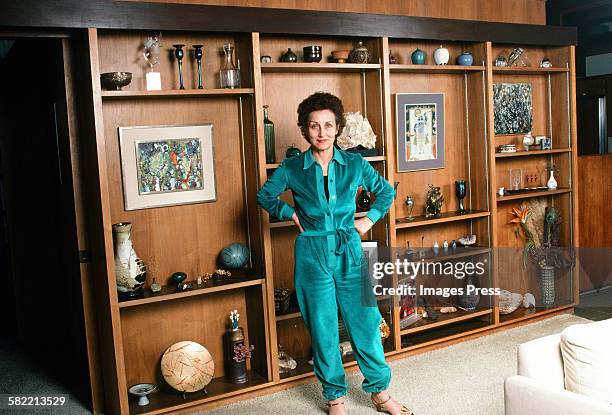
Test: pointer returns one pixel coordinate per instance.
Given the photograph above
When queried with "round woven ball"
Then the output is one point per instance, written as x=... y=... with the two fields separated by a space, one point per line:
x=234 y=256
x=187 y=366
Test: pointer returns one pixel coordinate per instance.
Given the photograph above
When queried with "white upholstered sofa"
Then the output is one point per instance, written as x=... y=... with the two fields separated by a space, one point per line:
x=544 y=381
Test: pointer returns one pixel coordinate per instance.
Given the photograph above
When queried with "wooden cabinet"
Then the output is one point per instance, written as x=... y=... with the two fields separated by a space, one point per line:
x=189 y=237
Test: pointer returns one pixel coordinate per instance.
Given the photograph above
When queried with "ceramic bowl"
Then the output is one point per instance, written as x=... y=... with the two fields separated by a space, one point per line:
x=114 y=81
x=340 y=56
x=313 y=54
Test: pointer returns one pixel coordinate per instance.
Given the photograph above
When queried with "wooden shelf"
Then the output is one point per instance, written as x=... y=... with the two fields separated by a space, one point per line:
x=444 y=319
x=444 y=217
x=526 y=313
x=319 y=67
x=538 y=193
x=239 y=279
x=517 y=70
x=293 y=312
x=533 y=153
x=272 y=166
x=176 y=93
x=450 y=254
x=433 y=69
x=218 y=388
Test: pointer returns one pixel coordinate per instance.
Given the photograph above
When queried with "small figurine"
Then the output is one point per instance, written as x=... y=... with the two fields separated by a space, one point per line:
x=199 y=281
x=546 y=63
x=392 y=59
x=436 y=247
x=409 y=205
x=445 y=245
x=501 y=61
x=409 y=250
x=454 y=244
x=155 y=287
x=433 y=204
x=528 y=140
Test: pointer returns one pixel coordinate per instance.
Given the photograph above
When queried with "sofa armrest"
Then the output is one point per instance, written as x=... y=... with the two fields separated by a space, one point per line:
x=541 y=360
x=525 y=396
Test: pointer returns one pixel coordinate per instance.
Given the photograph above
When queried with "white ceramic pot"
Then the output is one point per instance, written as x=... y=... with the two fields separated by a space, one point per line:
x=552 y=183
x=441 y=56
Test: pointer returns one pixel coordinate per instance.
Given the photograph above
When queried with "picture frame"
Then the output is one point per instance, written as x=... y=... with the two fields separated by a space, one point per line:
x=167 y=165
x=420 y=131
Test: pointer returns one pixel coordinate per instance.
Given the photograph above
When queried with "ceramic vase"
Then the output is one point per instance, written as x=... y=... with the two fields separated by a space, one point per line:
x=465 y=59
x=441 y=56
x=129 y=269
x=552 y=182
x=234 y=371
x=418 y=57
x=547 y=285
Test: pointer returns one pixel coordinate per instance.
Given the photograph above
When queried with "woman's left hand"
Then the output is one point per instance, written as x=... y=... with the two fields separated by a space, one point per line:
x=363 y=225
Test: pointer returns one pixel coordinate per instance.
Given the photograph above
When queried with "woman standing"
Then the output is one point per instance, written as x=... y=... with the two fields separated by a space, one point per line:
x=328 y=254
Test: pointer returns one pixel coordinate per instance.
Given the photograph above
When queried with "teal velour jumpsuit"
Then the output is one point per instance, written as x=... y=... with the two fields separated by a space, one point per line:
x=328 y=260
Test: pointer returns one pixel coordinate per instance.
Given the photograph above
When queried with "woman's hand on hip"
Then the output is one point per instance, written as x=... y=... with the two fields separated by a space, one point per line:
x=363 y=225
x=297 y=222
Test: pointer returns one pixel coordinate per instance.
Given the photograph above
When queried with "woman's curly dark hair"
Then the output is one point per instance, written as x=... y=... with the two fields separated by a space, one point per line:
x=316 y=102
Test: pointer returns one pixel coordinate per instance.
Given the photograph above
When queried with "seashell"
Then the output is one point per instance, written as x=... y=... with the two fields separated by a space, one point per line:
x=528 y=300
x=446 y=310
x=467 y=240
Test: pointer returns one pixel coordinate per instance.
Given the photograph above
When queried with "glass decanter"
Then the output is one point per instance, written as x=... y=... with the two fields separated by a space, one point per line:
x=230 y=74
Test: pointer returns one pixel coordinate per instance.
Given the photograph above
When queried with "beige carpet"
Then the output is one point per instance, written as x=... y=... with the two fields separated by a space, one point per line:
x=465 y=378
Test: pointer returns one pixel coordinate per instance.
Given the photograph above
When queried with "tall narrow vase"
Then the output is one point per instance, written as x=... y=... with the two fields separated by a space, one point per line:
x=130 y=271
x=547 y=285
x=235 y=371
x=269 y=137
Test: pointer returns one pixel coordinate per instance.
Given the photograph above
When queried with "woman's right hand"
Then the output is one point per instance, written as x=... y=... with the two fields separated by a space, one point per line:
x=297 y=222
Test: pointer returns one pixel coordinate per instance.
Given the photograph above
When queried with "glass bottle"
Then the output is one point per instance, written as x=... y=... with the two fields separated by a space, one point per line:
x=230 y=74
x=269 y=137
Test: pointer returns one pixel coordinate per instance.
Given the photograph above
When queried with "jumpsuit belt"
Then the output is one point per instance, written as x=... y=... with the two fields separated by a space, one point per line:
x=343 y=236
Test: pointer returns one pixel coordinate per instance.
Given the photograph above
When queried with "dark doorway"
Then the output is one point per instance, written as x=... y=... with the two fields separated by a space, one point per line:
x=41 y=300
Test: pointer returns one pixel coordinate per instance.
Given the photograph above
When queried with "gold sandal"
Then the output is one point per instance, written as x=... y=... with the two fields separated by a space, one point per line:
x=380 y=407
x=329 y=404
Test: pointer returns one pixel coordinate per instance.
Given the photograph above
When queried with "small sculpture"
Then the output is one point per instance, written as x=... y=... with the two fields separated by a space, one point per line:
x=433 y=204
x=501 y=61
x=197 y=53
x=155 y=287
x=528 y=140
x=528 y=300
x=447 y=310
x=518 y=58
x=364 y=200
x=357 y=132
x=546 y=63
x=436 y=247
x=392 y=59
x=467 y=240
x=409 y=205
x=130 y=271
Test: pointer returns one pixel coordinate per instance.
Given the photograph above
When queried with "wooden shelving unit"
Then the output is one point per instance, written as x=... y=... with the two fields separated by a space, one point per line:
x=189 y=237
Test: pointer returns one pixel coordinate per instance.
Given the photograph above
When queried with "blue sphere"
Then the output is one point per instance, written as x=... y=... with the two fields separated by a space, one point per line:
x=234 y=256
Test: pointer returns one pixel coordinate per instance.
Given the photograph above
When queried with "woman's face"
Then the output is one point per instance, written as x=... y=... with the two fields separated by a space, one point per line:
x=322 y=129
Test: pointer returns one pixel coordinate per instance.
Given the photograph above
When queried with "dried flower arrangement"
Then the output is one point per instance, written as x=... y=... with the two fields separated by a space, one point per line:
x=242 y=352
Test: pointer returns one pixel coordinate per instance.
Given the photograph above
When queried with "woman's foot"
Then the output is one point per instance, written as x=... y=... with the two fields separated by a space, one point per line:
x=336 y=406
x=385 y=403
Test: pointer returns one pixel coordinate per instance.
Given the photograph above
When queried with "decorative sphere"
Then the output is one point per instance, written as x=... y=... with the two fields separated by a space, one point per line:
x=187 y=366
x=465 y=59
x=234 y=256
x=178 y=277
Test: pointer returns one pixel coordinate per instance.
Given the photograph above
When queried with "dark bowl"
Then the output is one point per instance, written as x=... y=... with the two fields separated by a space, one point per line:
x=114 y=81
x=313 y=53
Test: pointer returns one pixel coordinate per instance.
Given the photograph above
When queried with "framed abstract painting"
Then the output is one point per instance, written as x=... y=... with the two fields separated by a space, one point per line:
x=167 y=165
x=420 y=131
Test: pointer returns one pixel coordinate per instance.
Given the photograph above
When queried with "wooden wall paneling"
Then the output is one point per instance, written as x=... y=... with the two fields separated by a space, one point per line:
x=257 y=298
x=455 y=140
x=594 y=273
x=283 y=245
x=489 y=128
x=294 y=338
x=522 y=11
x=150 y=329
x=100 y=220
x=264 y=219
x=390 y=151
x=76 y=152
x=574 y=164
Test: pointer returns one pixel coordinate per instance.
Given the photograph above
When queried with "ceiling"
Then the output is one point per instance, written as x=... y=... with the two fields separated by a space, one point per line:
x=593 y=18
